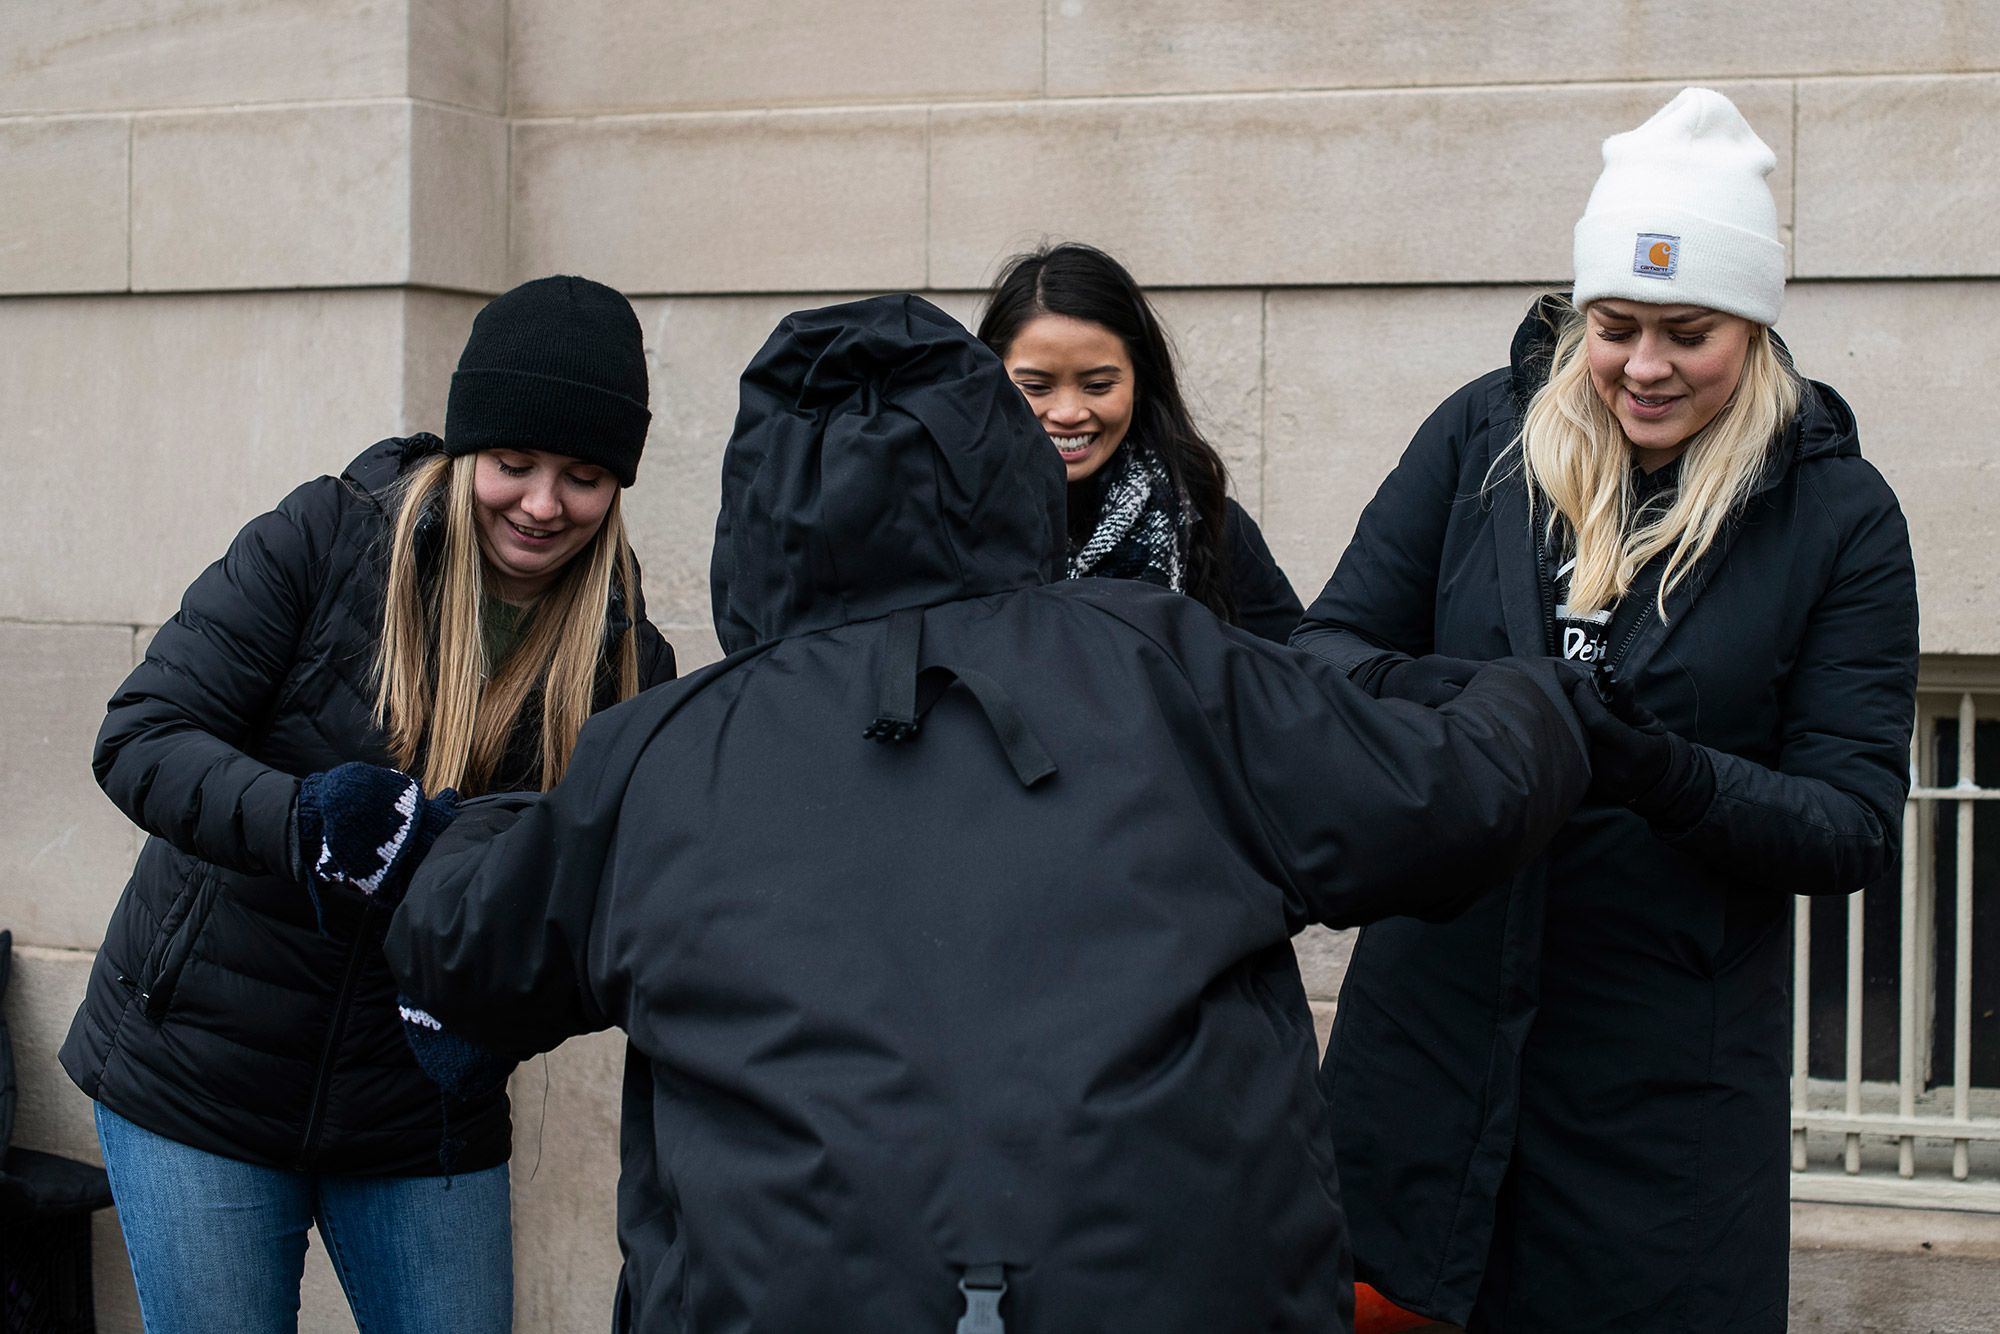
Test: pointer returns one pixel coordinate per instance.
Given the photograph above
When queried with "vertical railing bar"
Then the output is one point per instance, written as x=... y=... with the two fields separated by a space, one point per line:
x=1961 y=1006
x=1854 y=923
x=1906 y=992
x=1928 y=963
x=1801 y=1020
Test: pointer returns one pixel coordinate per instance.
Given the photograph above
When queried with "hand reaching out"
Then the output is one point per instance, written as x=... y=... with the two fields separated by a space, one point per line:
x=365 y=828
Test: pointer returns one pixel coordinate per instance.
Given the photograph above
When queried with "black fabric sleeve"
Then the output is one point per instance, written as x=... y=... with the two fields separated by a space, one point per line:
x=169 y=753
x=493 y=937
x=1263 y=598
x=1430 y=806
x=1382 y=598
x=1829 y=818
x=1374 y=808
x=501 y=934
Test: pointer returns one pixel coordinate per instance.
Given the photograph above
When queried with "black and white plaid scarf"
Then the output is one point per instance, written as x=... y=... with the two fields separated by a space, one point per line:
x=1143 y=524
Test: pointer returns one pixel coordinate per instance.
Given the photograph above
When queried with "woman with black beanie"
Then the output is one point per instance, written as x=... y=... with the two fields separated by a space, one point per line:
x=449 y=609
x=1148 y=495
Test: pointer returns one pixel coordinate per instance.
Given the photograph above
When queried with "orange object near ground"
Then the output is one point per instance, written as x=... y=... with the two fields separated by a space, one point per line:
x=1376 y=1314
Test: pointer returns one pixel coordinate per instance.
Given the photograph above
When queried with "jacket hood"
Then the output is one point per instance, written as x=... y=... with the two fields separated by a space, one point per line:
x=378 y=468
x=881 y=460
x=1824 y=427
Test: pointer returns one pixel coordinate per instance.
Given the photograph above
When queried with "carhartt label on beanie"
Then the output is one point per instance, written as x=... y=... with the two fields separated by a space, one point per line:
x=1683 y=214
x=557 y=364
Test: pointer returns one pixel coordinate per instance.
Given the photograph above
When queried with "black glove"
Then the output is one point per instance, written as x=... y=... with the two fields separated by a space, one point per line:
x=364 y=828
x=1635 y=761
x=1430 y=680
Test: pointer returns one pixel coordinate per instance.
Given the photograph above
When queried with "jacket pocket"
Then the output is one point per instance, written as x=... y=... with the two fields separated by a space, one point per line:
x=178 y=932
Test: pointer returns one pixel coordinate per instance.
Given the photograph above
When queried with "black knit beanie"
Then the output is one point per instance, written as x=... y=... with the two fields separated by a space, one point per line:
x=557 y=364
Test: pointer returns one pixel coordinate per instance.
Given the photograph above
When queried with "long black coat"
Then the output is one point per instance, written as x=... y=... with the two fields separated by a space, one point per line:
x=897 y=1010
x=1576 y=1091
x=218 y=1013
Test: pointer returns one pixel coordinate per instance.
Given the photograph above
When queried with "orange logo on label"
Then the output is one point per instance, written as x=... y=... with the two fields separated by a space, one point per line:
x=1656 y=255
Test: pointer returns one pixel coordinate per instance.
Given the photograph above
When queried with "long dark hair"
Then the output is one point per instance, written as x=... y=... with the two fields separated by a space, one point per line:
x=1083 y=283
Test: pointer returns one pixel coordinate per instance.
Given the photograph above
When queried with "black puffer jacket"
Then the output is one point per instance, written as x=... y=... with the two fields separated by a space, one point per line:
x=902 y=1010
x=1570 y=1103
x=217 y=1013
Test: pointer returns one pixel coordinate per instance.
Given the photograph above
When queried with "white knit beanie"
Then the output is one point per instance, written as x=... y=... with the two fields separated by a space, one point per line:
x=1683 y=216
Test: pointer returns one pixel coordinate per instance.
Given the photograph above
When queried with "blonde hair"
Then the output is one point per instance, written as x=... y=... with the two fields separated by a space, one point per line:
x=440 y=702
x=1577 y=459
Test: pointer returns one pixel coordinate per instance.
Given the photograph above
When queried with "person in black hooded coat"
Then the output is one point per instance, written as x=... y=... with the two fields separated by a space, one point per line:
x=1565 y=1110
x=949 y=915
x=239 y=1032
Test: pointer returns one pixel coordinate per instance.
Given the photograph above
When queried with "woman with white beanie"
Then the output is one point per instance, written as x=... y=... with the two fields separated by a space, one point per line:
x=1565 y=1109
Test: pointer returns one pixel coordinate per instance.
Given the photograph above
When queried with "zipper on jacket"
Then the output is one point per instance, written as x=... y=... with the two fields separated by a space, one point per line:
x=1617 y=655
x=1545 y=586
x=323 y=1077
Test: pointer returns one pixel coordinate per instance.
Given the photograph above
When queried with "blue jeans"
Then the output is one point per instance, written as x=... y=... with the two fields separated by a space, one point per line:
x=219 y=1246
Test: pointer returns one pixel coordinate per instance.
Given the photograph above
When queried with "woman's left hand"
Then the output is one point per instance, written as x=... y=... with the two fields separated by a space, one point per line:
x=1635 y=761
x=364 y=828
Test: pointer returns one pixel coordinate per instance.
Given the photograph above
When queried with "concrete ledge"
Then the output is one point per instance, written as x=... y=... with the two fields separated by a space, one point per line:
x=1859 y=1270
x=1913 y=1232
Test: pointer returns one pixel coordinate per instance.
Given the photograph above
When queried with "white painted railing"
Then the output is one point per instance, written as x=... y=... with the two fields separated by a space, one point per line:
x=1908 y=1142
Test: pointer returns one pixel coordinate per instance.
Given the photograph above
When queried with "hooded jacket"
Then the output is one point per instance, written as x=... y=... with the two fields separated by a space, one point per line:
x=1600 y=1046
x=949 y=915
x=220 y=1012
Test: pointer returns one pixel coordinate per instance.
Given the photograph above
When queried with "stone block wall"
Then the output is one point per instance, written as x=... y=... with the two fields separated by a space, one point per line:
x=241 y=239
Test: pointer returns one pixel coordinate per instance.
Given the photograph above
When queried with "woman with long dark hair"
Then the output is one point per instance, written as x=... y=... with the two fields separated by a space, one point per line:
x=454 y=608
x=1565 y=1110
x=1148 y=495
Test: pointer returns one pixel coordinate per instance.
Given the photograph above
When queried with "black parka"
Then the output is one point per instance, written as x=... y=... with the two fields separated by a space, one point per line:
x=1576 y=1092
x=218 y=1013
x=900 y=1010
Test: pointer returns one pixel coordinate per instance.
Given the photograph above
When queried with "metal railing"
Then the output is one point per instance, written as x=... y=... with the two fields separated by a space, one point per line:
x=1912 y=1140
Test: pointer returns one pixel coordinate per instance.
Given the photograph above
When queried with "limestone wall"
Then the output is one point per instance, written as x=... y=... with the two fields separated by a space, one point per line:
x=241 y=239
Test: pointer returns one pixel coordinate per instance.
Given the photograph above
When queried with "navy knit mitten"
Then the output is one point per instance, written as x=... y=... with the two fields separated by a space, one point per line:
x=365 y=828
x=459 y=1066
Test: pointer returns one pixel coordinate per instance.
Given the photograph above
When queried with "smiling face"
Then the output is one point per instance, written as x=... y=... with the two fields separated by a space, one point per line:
x=1664 y=371
x=534 y=513
x=1077 y=376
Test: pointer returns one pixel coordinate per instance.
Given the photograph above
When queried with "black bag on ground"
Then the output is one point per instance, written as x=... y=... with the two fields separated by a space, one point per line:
x=45 y=1207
